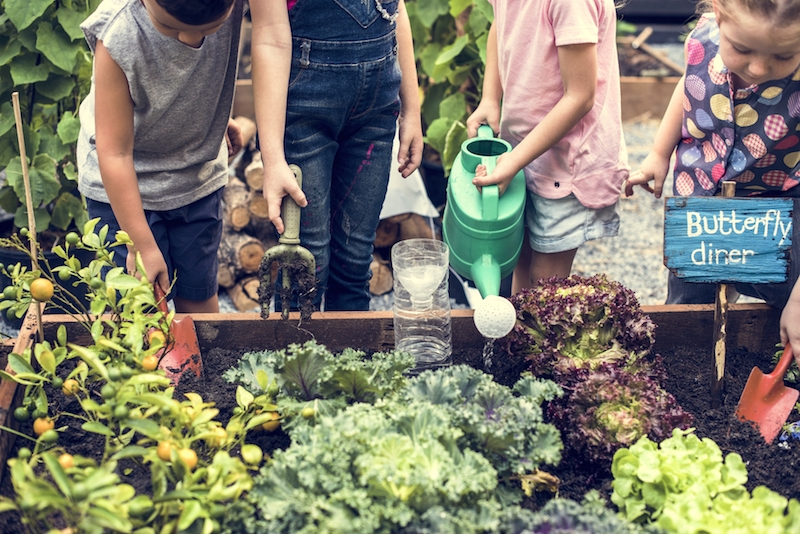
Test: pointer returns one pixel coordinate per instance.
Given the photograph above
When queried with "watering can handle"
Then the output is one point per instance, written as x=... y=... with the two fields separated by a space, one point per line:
x=490 y=194
x=485 y=131
x=290 y=213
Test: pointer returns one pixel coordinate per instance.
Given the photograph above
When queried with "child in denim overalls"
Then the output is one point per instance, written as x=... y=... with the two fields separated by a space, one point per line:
x=330 y=79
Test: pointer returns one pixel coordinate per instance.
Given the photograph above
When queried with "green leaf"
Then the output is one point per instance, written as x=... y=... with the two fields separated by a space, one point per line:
x=145 y=427
x=458 y=6
x=52 y=146
x=486 y=8
x=450 y=52
x=68 y=208
x=430 y=10
x=243 y=397
x=23 y=12
x=56 y=87
x=454 y=107
x=455 y=137
x=19 y=364
x=6 y=118
x=47 y=360
x=59 y=476
x=192 y=510
x=25 y=70
x=42 y=176
x=9 y=51
x=105 y=520
x=131 y=451
x=70 y=20
x=40 y=216
x=69 y=128
x=97 y=428
x=57 y=46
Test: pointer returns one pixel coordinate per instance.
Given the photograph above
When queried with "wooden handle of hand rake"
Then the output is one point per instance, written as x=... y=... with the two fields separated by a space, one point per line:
x=290 y=213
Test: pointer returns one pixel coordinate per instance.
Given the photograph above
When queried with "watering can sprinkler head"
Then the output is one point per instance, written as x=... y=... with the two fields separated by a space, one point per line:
x=296 y=263
x=495 y=317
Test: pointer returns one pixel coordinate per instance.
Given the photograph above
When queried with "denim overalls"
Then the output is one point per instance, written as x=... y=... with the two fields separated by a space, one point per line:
x=342 y=113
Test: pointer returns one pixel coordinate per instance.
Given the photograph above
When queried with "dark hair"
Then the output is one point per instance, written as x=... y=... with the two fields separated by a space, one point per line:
x=196 y=12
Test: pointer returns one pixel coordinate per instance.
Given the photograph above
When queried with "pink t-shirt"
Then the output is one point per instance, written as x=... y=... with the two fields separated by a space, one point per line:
x=591 y=160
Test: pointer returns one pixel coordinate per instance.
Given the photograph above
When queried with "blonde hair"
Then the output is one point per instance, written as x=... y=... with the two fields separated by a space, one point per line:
x=778 y=12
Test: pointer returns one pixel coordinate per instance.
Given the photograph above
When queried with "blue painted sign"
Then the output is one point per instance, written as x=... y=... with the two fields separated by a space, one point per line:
x=725 y=240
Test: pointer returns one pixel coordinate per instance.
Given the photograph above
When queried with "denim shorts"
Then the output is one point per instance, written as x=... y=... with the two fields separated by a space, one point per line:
x=559 y=225
x=188 y=237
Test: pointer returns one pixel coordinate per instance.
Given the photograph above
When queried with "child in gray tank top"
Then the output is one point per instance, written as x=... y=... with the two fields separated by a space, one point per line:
x=156 y=134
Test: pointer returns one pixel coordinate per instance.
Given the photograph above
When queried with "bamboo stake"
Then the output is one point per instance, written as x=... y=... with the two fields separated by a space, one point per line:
x=28 y=202
x=720 y=325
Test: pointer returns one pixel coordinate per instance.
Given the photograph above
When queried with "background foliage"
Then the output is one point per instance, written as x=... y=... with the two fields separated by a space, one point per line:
x=44 y=57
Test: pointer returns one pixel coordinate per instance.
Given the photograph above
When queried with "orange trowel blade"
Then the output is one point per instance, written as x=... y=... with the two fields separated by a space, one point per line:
x=766 y=402
x=182 y=352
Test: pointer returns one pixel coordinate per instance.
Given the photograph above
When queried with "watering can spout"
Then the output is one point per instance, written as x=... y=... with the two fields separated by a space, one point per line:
x=485 y=272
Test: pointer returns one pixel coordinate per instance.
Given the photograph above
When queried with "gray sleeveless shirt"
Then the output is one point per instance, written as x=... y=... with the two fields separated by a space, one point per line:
x=182 y=99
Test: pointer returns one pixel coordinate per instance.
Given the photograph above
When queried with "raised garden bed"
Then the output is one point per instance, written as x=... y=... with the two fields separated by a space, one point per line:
x=683 y=337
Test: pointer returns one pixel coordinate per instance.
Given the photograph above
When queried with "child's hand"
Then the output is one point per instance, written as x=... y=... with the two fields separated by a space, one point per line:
x=654 y=167
x=790 y=323
x=485 y=113
x=501 y=176
x=233 y=138
x=154 y=266
x=279 y=181
x=410 y=154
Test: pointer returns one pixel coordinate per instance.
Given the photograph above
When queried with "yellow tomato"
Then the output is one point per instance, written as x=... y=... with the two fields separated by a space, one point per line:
x=70 y=387
x=42 y=425
x=164 y=450
x=66 y=461
x=156 y=337
x=42 y=289
x=150 y=363
x=271 y=426
x=189 y=457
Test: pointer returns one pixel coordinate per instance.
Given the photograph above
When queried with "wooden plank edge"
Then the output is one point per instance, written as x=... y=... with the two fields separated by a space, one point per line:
x=10 y=394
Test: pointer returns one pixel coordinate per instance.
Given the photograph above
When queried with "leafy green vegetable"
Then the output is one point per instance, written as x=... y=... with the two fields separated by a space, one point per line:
x=578 y=322
x=610 y=407
x=445 y=453
x=684 y=485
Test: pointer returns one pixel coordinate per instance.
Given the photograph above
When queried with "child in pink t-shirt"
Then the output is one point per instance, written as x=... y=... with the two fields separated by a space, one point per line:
x=553 y=63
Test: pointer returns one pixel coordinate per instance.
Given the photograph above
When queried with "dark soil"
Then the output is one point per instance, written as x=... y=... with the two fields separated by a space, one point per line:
x=774 y=465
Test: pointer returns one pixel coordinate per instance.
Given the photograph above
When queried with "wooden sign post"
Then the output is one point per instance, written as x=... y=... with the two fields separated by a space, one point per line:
x=726 y=240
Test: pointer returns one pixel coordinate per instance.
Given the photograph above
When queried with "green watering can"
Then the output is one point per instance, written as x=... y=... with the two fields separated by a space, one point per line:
x=483 y=229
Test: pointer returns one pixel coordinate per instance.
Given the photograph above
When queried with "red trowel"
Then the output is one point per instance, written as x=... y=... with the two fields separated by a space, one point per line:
x=182 y=350
x=766 y=402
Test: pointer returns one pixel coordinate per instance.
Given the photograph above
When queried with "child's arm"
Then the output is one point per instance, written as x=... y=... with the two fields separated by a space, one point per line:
x=656 y=165
x=410 y=122
x=271 y=55
x=578 y=66
x=488 y=111
x=114 y=135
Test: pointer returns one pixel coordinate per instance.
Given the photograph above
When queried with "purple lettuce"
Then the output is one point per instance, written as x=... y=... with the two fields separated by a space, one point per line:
x=578 y=322
x=609 y=407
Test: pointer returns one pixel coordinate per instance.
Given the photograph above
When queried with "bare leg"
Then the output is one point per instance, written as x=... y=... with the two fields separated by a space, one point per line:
x=553 y=264
x=193 y=306
x=522 y=271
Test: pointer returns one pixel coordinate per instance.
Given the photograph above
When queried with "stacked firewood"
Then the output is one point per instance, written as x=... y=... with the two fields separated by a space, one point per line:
x=248 y=232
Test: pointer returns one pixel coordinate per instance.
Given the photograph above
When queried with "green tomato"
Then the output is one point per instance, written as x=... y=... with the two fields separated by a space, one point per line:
x=121 y=412
x=23 y=232
x=38 y=414
x=24 y=453
x=10 y=293
x=114 y=374
x=252 y=454
x=96 y=283
x=126 y=372
x=73 y=238
x=307 y=412
x=58 y=382
x=22 y=414
x=108 y=391
x=49 y=436
x=80 y=491
x=11 y=313
x=64 y=275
